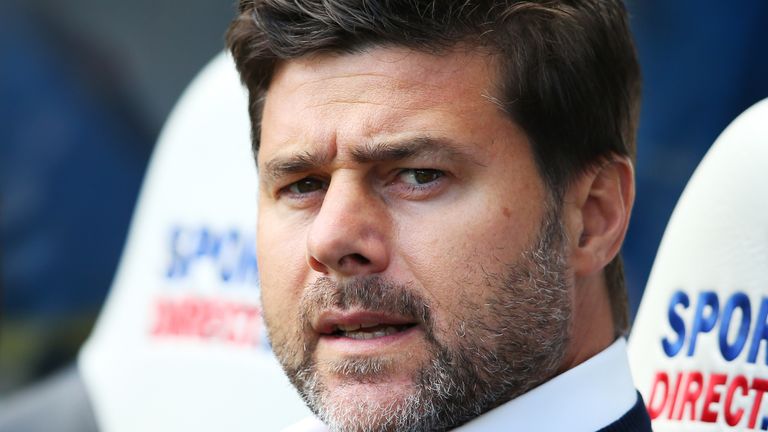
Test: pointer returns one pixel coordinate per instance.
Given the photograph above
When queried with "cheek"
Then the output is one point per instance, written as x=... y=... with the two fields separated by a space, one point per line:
x=445 y=241
x=454 y=253
x=282 y=266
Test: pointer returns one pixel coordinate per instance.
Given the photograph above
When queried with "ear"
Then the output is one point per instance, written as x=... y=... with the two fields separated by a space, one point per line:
x=598 y=206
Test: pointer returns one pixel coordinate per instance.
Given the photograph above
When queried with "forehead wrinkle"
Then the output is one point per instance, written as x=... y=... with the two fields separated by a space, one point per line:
x=394 y=82
x=425 y=106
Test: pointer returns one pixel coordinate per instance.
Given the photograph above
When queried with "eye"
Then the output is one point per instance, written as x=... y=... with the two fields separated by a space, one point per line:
x=420 y=176
x=305 y=186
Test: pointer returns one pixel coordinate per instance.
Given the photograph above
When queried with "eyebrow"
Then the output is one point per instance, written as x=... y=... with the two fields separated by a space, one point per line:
x=296 y=163
x=382 y=151
x=388 y=151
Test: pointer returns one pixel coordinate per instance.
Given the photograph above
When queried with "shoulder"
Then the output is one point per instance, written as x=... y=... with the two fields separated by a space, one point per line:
x=634 y=420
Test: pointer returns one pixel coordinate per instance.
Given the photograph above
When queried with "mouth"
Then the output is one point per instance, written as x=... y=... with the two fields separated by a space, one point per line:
x=360 y=334
x=361 y=325
x=366 y=331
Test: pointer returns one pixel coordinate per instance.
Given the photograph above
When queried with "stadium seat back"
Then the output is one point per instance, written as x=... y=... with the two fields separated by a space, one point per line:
x=180 y=344
x=699 y=343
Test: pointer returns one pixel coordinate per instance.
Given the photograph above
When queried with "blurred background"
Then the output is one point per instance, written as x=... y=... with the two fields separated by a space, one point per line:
x=86 y=85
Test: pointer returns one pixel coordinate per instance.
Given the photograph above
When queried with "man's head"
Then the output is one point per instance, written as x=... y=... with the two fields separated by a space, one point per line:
x=443 y=187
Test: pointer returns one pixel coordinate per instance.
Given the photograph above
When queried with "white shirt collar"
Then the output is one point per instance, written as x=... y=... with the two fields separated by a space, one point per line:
x=586 y=398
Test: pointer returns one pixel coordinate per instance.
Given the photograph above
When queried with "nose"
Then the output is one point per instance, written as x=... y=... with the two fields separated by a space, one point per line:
x=348 y=235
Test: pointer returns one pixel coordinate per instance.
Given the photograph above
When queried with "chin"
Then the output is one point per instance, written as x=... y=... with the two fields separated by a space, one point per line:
x=367 y=407
x=363 y=397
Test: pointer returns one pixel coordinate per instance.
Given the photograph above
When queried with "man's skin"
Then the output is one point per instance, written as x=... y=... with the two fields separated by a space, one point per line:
x=397 y=164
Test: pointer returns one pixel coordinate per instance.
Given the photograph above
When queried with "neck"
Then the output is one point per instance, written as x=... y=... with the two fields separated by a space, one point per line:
x=592 y=327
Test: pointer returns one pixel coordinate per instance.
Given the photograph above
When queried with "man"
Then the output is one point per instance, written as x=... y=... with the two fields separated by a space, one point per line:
x=444 y=189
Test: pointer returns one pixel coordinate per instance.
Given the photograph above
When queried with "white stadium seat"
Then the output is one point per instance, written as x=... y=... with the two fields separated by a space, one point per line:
x=698 y=348
x=180 y=345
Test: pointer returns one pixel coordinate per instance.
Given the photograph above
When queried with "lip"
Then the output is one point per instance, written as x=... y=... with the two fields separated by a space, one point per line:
x=328 y=321
x=334 y=345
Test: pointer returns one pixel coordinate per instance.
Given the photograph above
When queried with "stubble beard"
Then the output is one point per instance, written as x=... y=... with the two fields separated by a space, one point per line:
x=517 y=342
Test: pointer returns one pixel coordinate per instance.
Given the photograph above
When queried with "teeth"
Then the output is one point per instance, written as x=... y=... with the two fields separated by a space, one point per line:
x=360 y=335
x=349 y=328
x=353 y=327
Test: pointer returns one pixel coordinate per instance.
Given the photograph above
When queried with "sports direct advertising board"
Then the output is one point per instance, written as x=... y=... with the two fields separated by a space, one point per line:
x=180 y=344
x=699 y=345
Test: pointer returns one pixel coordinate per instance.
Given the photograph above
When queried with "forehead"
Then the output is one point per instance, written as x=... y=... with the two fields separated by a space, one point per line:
x=333 y=99
x=394 y=69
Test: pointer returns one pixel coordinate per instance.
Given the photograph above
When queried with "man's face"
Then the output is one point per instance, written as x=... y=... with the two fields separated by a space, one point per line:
x=412 y=264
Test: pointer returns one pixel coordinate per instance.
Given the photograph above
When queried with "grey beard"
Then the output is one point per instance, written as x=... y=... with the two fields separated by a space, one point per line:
x=515 y=345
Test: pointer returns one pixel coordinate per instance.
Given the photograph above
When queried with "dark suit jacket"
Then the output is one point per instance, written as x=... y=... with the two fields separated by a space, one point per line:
x=635 y=420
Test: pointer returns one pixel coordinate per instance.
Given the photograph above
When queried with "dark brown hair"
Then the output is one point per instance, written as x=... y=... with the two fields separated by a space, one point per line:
x=569 y=76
